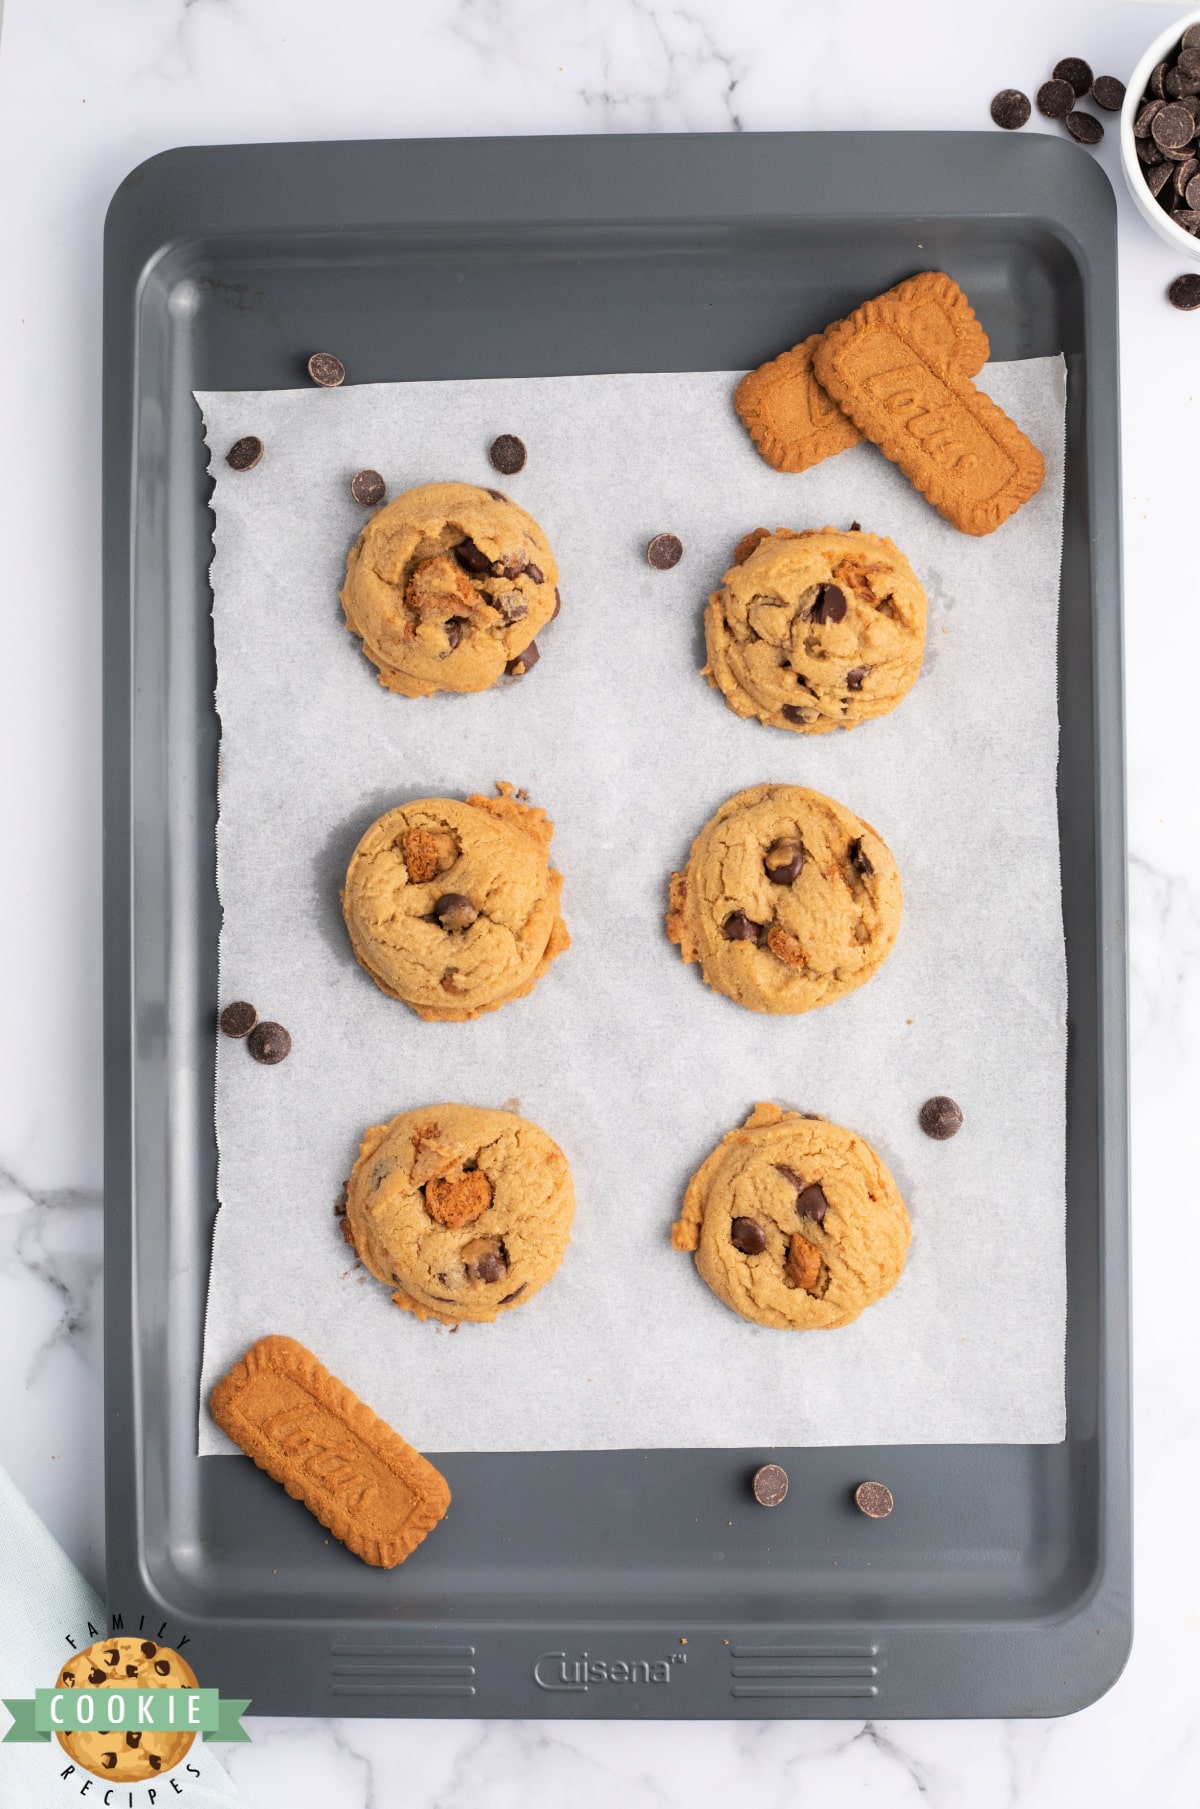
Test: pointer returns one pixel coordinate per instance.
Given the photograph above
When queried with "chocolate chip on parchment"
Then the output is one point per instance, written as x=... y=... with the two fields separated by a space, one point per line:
x=770 y=1485
x=854 y=678
x=1184 y=293
x=738 y=928
x=507 y=454
x=1055 y=99
x=1172 y=127
x=239 y=1018
x=855 y=527
x=1109 y=93
x=524 y=662
x=1075 y=71
x=368 y=488
x=748 y=1236
x=326 y=370
x=940 y=1117
x=783 y=860
x=269 y=1043
x=454 y=911
x=830 y=604
x=664 y=551
x=1084 y=128
x=1010 y=109
x=471 y=558
x=245 y=453
x=874 y=1499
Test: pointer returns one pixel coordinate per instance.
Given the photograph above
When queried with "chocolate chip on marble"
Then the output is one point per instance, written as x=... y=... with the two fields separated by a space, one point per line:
x=326 y=370
x=368 y=488
x=269 y=1043
x=874 y=1499
x=454 y=911
x=238 y=1018
x=940 y=1117
x=738 y=928
x=1109 y=93
x=245 y=453
x=1185 y=293
x=748 y=1236
x=524 y=662
x=783 y=860
x=854 y=678
x=1075 y=71
x=770 y=1485
x=664 y=551
x=1010 y=109
x=1055 y=99
x=508 y=454
x=1084 y=128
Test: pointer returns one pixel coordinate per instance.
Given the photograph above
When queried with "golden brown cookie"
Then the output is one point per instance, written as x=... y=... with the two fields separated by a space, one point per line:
x=309 y=1432
x=816 y=631
x=962 y=452
x=446 y=586
x=795 y=1222
x=795 y=424
x=125 y=1663
x=452 y=907
x=788 y=900
x=466 y=1212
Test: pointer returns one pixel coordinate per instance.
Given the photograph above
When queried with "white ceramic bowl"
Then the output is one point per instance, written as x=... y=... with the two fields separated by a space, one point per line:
x=1143 y=200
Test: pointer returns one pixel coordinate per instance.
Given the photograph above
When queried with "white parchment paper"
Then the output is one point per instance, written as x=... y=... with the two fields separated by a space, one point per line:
x=622 y=1053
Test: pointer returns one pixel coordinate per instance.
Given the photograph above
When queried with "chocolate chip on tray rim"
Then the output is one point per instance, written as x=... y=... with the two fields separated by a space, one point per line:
x=770 y=1485
x=326 y=370
x=874 y=1499
x=508 y=455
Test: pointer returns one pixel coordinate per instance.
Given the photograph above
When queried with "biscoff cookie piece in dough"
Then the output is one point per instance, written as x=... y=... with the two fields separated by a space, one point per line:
x=796 y=1223
x=788 y=900
x=452 y=907
x=816 y=630
x=464 y=1211
x=446 y=586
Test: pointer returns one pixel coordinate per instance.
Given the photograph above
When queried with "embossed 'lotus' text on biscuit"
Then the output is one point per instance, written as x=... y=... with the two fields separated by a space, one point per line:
x=920 y=402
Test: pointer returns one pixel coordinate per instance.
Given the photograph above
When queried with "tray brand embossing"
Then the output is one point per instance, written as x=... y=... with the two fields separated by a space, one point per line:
x=560 y=1671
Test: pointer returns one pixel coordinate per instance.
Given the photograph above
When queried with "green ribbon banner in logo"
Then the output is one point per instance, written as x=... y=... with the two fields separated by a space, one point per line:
x=110 y=1711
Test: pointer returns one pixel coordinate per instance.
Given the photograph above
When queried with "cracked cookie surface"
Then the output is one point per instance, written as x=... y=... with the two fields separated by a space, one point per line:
x=446 y=587
x=795 y=1222
x=464 y=1211
x=788 y=900
x=815 y=630
x=452 y=907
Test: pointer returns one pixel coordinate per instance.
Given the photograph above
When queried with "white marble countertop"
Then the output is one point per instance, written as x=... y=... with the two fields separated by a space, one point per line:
x=88 y=88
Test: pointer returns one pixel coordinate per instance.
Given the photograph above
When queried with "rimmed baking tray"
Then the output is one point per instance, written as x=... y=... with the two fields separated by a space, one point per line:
x=587 y=1584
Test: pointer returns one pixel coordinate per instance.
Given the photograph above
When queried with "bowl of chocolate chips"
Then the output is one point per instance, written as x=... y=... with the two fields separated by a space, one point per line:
x=1160 y=136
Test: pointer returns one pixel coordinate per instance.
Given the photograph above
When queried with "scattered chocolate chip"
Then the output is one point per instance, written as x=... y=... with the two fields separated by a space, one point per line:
x=874 y=1499
x=244 y=454
x=508 y=455
x=783 y=860
x=1158 y=76
x=96 y=1676
x=557 y=602
x=1109 y=93
x=770 y=1485
x=738 y=928
x=1147 y=117
x=748 y=1236
x=1010 y=109
x=1185 y=292
x=830 y=605
x=368 y=488
x=269 y=1043
x=455 y=627
x=148 y=1648
x=524 y=662
x=1055 y=99
x=859 y=858
x=664 y=551
x=239 y=1018
x=1158 y=177
x=341 y=1204
x=940 y=1117
x=1172 y=127
x=454 y=911
x=1075 y=71
x=326 y=370
x=471 y=559
x=505 y=1298
x=811 y=1203
x=854 y=678
x=1084 y=128
x=794 y=712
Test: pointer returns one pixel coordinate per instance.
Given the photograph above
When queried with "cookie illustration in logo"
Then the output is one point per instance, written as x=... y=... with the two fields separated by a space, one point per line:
x=127 y=1756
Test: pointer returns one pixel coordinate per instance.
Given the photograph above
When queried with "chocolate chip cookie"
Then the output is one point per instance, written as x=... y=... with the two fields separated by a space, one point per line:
x=126 y=1664
x=466 y=1212
x=795 y=1222
x=815 y=630
x=446 y=586
x=788 y=900
x=452 y=907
